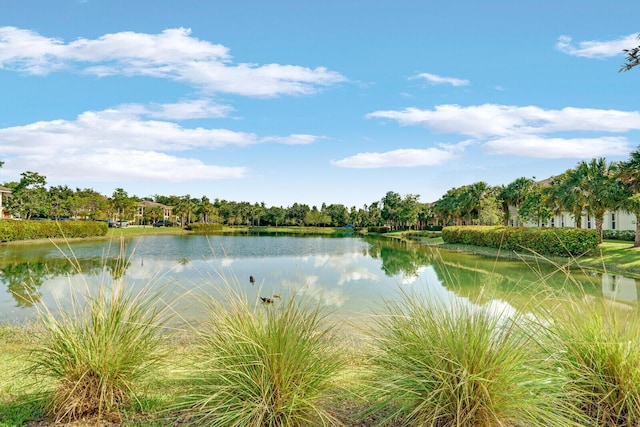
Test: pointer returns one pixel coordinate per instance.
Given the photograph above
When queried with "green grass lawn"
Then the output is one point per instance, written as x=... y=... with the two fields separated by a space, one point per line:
x=612 y=256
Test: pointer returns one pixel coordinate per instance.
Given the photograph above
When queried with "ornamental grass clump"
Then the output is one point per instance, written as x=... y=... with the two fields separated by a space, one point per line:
x=274 y=364
x=457 y=364
x=97 y=352
x=596 y=345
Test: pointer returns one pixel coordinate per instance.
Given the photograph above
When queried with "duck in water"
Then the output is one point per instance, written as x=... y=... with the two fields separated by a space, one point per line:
x=267 y=300
x=252 y=280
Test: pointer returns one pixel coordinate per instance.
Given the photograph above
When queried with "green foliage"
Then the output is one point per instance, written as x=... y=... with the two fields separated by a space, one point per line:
x=597 y=348
x=378 y=229
x=546 y=241
x=204 y=228
x=13 y=230
x=437 y=364
x=625 y=235
x=96 y=352
x=267 y=365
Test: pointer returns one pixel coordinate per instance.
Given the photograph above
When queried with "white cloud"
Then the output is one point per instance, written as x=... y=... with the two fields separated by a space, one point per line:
x=173 y=54
x=295 y=139
x=498 y=120
x=406 y=157
x=521 y=131
x=595 y=48
x=437 y=80
x=183 y=110
x=133 y=165
x=554 y=148
x=118 y=144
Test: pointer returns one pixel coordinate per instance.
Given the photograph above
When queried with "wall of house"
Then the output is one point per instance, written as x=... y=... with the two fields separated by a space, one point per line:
x=613 y=220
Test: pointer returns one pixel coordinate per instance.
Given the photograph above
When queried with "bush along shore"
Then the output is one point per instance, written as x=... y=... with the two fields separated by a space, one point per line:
x=123 y=356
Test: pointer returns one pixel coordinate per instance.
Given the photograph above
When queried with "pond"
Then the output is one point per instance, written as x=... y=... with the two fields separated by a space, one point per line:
x=350 y=276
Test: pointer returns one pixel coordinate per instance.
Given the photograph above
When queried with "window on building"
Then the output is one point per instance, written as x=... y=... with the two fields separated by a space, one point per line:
x=613 y=221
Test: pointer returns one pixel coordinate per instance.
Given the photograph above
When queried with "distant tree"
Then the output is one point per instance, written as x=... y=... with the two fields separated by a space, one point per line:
x=535 y=207
x=409 y=210
x=185 y=208
x=296 y=214
x=275 y=216
x=153 y=214
x=88 y=203
x=206 y=211
x=490 y=212
x=374 y=214
x=29 y=197
x=60 y=199
x=315 y=217
x=121 y=204
x=632 y=59
x=390 y=208
x=338 y=214
x=514 y=194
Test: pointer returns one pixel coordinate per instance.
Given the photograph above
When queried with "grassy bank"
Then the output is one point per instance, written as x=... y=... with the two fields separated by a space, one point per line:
x=611 y=256
x=425 y=362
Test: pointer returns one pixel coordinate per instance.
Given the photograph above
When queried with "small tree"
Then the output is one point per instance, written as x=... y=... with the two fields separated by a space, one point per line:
x=535 y=207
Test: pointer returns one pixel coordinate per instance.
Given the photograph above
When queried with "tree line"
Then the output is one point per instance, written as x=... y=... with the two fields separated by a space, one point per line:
x=592 y=187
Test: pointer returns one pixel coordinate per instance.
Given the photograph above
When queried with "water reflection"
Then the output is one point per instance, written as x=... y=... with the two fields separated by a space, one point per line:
x=350 y=276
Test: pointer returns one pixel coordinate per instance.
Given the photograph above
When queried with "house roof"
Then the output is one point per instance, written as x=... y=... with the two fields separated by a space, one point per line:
x=150 y=204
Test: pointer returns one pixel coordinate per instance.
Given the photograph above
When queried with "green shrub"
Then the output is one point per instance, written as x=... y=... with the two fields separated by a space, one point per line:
x=13 y=230
x=204 y=228
x=268 y=365
x=625 y=235
x=378 y=229
x=96 y=352
x=437 y=364
x=546 y=241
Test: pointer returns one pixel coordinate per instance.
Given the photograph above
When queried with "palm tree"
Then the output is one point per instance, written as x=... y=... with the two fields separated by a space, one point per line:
x=601 y=188
x=633 y=58
x=630 y=176
x=565 y=194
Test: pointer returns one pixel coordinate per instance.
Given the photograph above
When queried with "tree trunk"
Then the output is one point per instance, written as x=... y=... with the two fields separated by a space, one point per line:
x=636 y=242
x=599 y=223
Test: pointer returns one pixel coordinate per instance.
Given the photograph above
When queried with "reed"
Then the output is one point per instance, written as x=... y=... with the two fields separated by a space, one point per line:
x=596 y=346
x=457 y=364
x=259 y=364
x=96 y=352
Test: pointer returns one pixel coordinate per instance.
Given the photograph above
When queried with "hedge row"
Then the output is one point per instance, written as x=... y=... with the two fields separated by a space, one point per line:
x=625 y=235
x=547 y=241
x=380 y=230
x=13 y=230
x=199 y=227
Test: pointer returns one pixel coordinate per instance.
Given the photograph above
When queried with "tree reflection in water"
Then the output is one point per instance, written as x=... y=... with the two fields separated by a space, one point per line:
x=24 y=279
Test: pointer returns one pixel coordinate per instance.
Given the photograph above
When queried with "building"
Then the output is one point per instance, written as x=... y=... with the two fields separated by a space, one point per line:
x=5 y=193
x=613 y=220
x=145 y=205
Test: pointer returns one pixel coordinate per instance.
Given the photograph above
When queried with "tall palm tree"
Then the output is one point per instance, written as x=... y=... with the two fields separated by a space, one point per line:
x=602 y=189
x=630 y=176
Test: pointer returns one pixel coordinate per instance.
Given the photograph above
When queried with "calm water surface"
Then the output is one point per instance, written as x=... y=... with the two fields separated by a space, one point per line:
x=350 y=276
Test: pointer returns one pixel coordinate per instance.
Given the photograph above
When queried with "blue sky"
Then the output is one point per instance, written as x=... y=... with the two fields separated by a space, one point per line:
x=332 y=101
